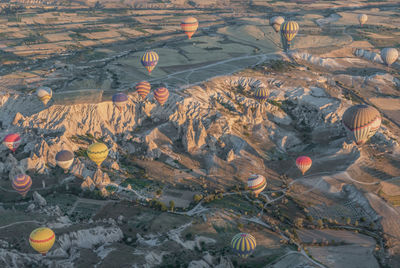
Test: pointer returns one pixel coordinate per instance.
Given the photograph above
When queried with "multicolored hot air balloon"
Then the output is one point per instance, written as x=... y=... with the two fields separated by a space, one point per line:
x=303 y=163
x=256 y=184
x=362 y=18
x=389 y=55
x=12 y=141
x=189 y=26
x=120 y=100
x=42 y=240
x=98 y=152
x=361 y=122
x=261 y=94
x=276 y=22
x=289 y=30
x=44 y=94
x=243 y=244
x=64 y=159
x=161 y=95
x=150 y=60
x=22 y=183
x=143 y=89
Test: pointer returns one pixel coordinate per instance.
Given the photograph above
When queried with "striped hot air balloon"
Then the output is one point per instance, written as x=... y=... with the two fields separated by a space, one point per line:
x=303 y=163
x=362 y=18
x=44 y=94
x=98 y=152
x=150 y=60
x=276 y=22
x=161 y=95
x=289 y=30
x=143 y=89
x=256 y=184
x=361 y=122
x=243 y=244
x=22 y=183
x=189 y=26
x=120 y=100
x=12 y=141
x=261 y=94
x=64 y=159
x=42 y=240
x=389 y=55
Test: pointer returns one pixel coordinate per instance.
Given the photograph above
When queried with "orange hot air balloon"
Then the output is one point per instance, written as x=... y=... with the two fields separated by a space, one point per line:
x=143 y=89
x=189 y=26
x=161 y=95
x=303 y=163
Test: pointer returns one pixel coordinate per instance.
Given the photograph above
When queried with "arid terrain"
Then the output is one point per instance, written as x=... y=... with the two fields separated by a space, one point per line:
x=173 y=189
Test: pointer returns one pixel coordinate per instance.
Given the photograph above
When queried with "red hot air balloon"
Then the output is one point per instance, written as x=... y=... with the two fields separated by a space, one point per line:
x=303 y=163
x=143 y=89
x=12 y=141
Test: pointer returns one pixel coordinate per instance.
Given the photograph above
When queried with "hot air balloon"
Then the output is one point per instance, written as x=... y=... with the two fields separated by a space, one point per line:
x=65 y=159
x=42 y=240
x=389 y=55
x=44 y=94
x=243 y=244
x=150 y=60
x=362 y=18
x=98 y=152
x=161 y=95
x=12 y=141
x=256 y=184
x=303 y=163
x=276 y=22
x=22 y=183
x=289 y=30
x=261 y=94
x=143 y=89
x=119 y=100
x=361 y=122
x=189 y=26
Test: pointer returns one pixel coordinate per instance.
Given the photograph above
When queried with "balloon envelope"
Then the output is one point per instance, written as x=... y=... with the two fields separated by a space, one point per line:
x=44 y=94
x=261 y=94
x=42 y=239
x=143 y=89
x=289 y=30
x=303 y=163
x=189 y=26
x=120 y=100
x=256 y=183
x=161 y=95
x=276 y=22
x=98 y=152
x=22 y=183
x=12 y=141
x=389 y=55
x=361 y=122
x=243 y=244
x=65 y=159
x=150 y=60
x=362 y=18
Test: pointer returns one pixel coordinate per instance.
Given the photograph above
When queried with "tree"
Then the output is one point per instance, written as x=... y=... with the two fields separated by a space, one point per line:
x=298 y=222
x=197 y=198
x=320 y=223
x=348 y=221
x=172 y=205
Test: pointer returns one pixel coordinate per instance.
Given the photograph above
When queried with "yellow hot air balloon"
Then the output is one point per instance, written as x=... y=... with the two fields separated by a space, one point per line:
x=289 y=31
x=98 y=152
x=361 y=122
x=189 y=26
x=389 y=55
x=42 y=239
x=44 y=94
x=362 y=18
